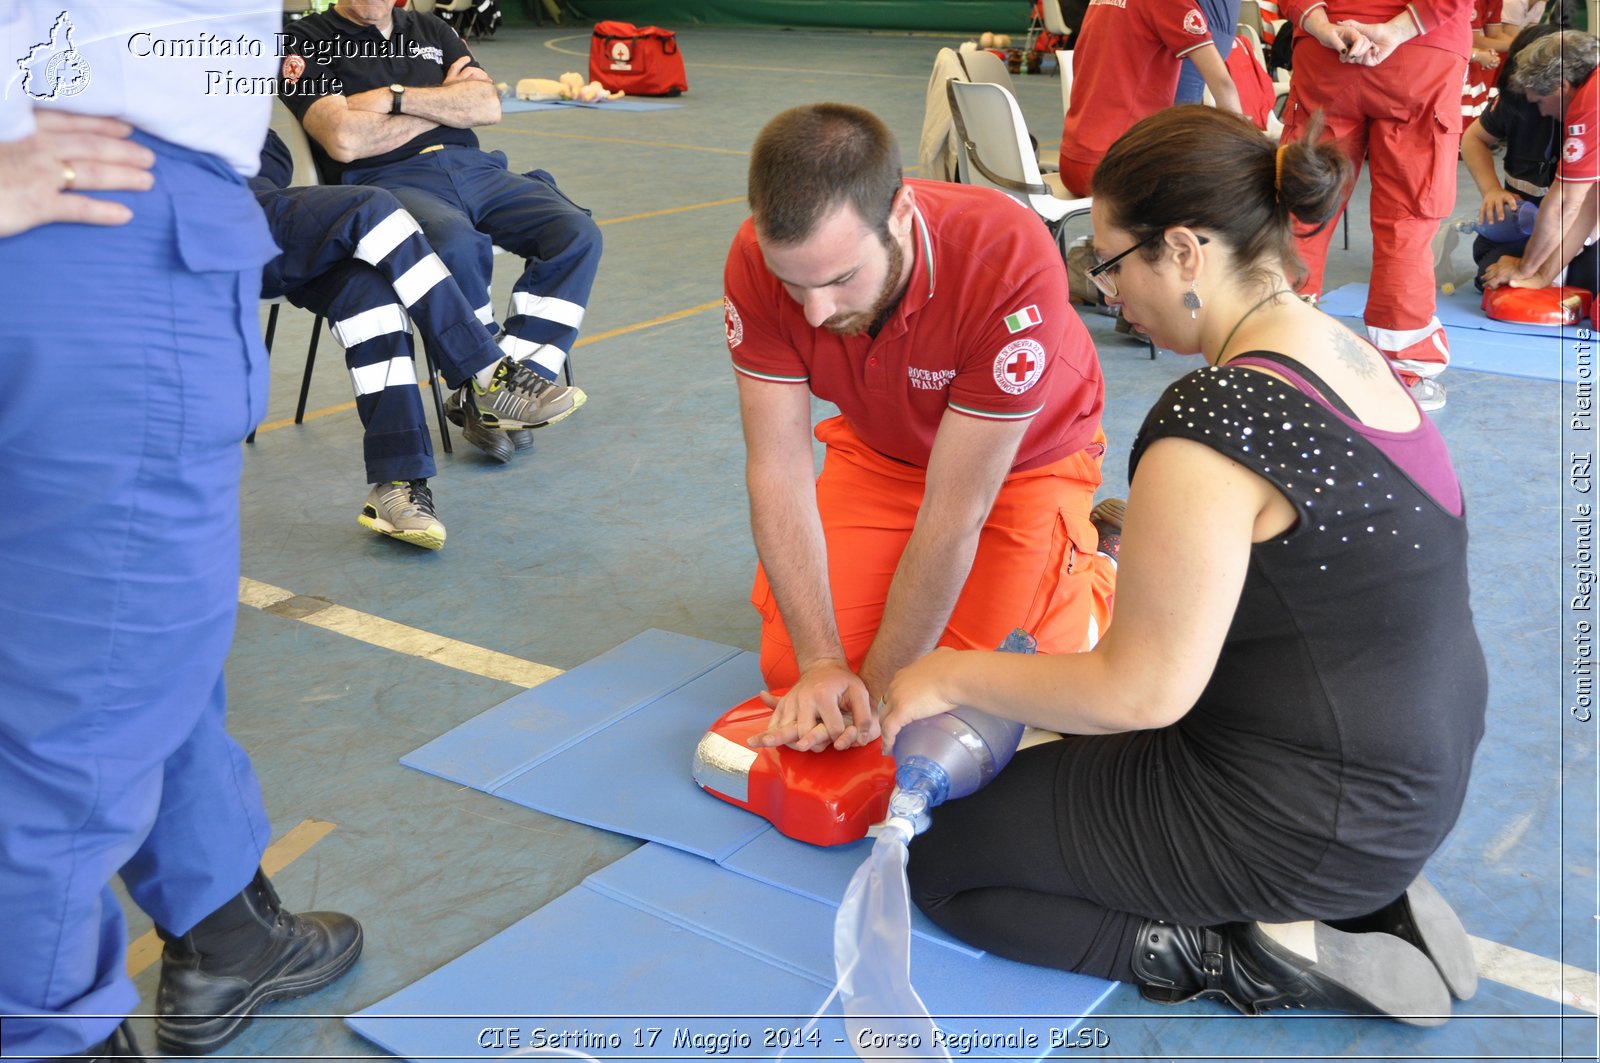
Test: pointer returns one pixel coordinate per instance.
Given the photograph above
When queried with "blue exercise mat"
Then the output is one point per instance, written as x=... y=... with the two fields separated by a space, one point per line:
x=1458 y=310
x=819 y=873
x=1477 y=341
x=664 y=941
x=610 y=744
x=518 y=106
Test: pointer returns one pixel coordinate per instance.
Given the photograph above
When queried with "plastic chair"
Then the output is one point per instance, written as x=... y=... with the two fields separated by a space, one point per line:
x=1054 y=20
x=983 y=65
x=995 y=151
x=462 y=16
x=1064 y=67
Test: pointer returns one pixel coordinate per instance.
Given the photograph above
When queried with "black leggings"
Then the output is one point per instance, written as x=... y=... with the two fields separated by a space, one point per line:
x=990 y=871
x=1060 y=860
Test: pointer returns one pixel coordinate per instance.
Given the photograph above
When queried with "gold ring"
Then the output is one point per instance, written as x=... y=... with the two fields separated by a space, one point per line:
x=68 y=175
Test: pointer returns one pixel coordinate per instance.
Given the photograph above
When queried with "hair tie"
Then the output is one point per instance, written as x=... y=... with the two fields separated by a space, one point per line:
x=1277 y=171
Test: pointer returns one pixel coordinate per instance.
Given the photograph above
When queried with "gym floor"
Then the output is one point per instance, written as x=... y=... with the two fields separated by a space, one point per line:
x=353 y=650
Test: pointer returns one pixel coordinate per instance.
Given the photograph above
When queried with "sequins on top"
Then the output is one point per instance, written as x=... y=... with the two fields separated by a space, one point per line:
x=1331 y=748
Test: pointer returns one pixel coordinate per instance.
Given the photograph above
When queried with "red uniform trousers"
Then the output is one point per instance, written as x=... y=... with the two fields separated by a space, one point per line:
x=1035 y=568
x=1404 y=118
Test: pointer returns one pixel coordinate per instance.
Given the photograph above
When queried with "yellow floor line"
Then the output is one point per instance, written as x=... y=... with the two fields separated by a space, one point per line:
x=621 y=140
x=146 y=950
x=676 y=315
x=672 y=210
x=386 y=634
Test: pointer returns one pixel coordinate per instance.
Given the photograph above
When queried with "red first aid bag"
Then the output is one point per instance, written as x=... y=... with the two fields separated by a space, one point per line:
x=638 y=60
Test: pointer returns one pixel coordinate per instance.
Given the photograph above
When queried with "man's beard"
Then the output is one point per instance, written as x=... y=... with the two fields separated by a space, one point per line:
x=873 y=319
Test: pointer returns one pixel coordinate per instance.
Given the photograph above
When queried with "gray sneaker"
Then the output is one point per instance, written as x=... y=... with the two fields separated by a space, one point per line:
x=521 y=438
x=517 y=397
x=1428 y=392
x=403 y=510
x=498 y=445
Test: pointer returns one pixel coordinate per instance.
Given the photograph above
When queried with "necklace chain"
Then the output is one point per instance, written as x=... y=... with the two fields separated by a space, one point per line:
x=1235 y=330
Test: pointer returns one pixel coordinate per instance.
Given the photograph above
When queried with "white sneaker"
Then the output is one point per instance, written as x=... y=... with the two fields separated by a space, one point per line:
x=1428 y=392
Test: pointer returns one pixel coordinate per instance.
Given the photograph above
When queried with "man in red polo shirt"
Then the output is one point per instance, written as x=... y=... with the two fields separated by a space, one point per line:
x=1556 y=73
x=1125 y=67
x=1387 y=76
x=954 y=501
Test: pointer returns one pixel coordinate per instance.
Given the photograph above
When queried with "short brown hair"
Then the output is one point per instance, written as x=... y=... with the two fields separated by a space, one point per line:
x=1209 y=169
x=809 y=159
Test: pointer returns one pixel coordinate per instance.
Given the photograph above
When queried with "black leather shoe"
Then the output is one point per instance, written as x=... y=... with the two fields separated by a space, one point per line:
x=121 y=1045
x=1423 y=918
x=246 y=953
x=1258 y=967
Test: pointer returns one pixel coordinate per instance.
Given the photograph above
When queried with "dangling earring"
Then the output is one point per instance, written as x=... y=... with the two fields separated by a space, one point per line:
x=1191 y=302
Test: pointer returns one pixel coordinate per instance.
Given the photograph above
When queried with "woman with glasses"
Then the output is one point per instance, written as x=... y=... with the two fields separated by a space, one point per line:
x=1276 y=731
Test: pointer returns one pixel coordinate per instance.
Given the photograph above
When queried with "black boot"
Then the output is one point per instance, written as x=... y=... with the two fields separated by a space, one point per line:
x=121 y=1045
x=249 y=951
x=1425 y=919
x=1256 y=967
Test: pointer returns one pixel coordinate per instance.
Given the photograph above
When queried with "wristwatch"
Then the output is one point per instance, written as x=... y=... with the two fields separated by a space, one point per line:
x=397 y=93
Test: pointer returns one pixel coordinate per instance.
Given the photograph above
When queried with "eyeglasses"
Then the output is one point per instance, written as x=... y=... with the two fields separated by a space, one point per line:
x=1106 y=281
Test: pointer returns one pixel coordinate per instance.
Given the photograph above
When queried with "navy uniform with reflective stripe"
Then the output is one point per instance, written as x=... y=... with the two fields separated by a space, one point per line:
x=465 y=199
x=354 y=255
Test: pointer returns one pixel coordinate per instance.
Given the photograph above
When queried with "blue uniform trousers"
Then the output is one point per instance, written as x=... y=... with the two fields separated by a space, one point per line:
x=467 y=201
x=1222 y=19
x=119 y=582
x=355 y=256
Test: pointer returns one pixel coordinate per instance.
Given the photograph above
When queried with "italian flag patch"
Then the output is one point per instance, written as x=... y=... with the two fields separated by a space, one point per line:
x=1025 y=318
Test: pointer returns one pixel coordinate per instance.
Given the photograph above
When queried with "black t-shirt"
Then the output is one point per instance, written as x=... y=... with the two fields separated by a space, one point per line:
x=1530 y=142
x=326 y=55
x=1331 y=749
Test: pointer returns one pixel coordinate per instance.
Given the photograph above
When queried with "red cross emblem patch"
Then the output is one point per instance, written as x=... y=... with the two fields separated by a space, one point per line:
x=1194 y=22
x=1018 y=366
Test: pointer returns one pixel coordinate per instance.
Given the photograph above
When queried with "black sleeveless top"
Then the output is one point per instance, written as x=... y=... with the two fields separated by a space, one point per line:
x=1330 y=751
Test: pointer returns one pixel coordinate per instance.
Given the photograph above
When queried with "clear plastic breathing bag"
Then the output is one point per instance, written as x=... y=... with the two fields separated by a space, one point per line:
x=883 y=1016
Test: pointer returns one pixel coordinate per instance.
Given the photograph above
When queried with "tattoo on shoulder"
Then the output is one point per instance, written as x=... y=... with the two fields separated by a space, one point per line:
x=1352 y=352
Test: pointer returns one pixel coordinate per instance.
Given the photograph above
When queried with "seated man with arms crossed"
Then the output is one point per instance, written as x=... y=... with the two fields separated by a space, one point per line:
x=357 y=258
x=389 y=97
x=954 y=500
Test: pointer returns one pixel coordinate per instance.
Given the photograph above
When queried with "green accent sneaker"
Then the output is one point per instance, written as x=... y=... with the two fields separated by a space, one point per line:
x=516 y=397
x=403 y=510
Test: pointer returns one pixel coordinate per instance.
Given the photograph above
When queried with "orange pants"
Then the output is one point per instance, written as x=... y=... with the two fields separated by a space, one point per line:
x=1403 y=118
x=1035 y=568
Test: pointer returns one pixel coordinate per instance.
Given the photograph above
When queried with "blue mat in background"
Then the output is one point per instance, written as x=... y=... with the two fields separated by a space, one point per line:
x=1477 y=341
x=666 y=933
x=517 y=106
x=1458 y=310
x=661 y=940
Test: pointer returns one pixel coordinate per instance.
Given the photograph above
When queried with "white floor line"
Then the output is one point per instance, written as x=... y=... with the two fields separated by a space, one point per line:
x=1545 y=978
x=1550 y=979
x=376 y=631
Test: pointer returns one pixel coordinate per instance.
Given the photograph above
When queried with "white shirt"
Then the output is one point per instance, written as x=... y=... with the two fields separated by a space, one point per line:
x=196 y=73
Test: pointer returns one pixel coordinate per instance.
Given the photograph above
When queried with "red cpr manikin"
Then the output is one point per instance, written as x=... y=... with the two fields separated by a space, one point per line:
x=1538 y=306
x=828 y=797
